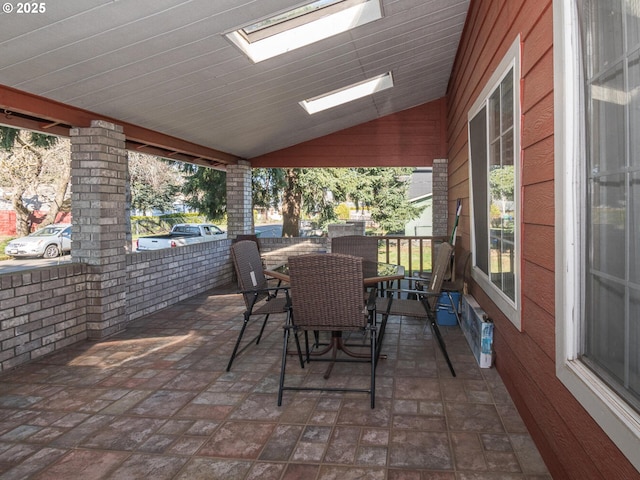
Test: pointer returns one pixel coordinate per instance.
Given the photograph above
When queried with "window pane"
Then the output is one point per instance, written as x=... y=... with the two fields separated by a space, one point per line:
x=502 y=186
x=605 y=18
x=506 y=88
x=289 y=15
x=633 y=26
x=634 y=343
x=494 y=116
x=478 y=151
x=507 y=149
x=611 y=326
x=608 y=225
x=634 y=108
x=605 y=341
x=508 y=215
x=495 y=154
x=634 y=231
x=608 y=98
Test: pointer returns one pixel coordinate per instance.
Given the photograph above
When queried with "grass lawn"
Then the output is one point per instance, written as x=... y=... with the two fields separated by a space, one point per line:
x=407 y=252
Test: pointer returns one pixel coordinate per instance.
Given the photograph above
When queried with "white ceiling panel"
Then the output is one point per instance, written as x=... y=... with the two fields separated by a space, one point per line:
x=166 y=65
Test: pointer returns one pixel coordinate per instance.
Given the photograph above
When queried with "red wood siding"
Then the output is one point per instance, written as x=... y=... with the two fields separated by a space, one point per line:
x=572 y=444
x=413 y=137
x=8 y=221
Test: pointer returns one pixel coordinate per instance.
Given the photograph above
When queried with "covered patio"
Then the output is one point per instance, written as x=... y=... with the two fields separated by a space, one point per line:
x=154 y=401
x=165 y=78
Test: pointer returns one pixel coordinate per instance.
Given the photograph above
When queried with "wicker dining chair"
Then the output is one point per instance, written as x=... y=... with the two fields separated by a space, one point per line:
x=327 y=296
x=247 y=236
x=424 y=303
x=357 y=245
x=365 y=247
x=259 y=297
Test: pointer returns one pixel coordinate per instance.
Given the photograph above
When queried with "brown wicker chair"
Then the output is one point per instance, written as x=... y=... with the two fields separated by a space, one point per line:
x=259 y=297
x=247 y=236
x=365 y=247
x=356 y=245
x=327 y=296
x=424 y=303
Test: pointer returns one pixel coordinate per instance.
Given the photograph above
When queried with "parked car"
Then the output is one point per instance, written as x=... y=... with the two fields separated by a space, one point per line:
x=48 y=242
x=182 y=234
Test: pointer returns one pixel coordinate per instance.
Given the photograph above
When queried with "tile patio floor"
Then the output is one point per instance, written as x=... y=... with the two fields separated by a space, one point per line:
x=155 y=402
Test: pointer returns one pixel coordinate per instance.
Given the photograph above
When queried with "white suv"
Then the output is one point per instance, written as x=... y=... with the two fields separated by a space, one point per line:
x=48 y=242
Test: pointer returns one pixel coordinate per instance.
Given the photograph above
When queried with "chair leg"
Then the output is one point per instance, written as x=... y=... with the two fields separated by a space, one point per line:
x=374 y=361
x=295 y=335
x=443 y=347
x=383 y=327
x=334 y=354
x=235 y=349
x=306 y=346
x=431 y=318
x=284 y=363
x=264 y=324
x=454 y=306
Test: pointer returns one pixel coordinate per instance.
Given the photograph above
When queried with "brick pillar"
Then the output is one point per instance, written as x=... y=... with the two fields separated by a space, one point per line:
x=239 y=200
x=440 y=197
x=98 y=205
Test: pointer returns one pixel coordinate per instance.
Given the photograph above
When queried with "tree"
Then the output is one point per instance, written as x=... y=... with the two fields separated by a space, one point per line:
x=386 y=192
x=314 y=191
x=205 y=190
x=317 y=191
x=154 y=182
x=36 y=165
x=501 y=186
x=291 y=203
x=502 y=183
x=266 y=185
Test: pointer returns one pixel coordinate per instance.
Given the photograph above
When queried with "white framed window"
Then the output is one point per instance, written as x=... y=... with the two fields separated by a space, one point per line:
x=494 y=170
x=597 y=189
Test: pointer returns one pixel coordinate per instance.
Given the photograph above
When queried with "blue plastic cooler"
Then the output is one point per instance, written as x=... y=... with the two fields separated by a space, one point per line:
x=445 y=314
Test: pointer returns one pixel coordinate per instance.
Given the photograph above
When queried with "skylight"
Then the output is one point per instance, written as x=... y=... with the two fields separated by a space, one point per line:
x=303 y=26
x=348 y=94
x=290 y=15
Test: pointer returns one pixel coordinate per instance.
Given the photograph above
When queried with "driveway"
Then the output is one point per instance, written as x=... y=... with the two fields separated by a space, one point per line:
x=269 y=231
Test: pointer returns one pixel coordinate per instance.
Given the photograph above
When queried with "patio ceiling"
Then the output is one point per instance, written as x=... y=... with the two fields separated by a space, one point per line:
x=166 y=66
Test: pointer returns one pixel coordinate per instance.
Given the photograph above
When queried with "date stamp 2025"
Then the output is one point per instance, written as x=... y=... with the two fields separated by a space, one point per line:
x=24 y=7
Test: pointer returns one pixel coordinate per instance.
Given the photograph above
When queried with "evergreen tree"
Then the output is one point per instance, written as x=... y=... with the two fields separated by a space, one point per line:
x=206 y=190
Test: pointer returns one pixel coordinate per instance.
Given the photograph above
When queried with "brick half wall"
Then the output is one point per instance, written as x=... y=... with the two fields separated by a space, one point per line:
x=44 y=310
x=159 y=278
x=41 y=311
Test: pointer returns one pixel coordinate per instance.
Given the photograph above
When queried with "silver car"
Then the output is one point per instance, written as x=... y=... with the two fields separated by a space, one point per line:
x=48 y=242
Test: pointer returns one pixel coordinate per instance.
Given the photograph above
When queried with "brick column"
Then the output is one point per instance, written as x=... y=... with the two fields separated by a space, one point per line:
x=239 y=200
x=98 y=205
x=440 y=197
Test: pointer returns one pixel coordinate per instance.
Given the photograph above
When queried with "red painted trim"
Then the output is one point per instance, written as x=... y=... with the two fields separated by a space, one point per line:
x=56 y=118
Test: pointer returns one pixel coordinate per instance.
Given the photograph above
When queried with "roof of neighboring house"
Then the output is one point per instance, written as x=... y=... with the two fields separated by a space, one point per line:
x=421 y=184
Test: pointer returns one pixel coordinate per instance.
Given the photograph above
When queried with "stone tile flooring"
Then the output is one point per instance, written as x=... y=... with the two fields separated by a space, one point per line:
x=155 y=402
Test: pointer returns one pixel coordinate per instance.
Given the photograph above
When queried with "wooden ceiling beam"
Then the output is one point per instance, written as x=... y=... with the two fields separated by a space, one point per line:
x=25 y=110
